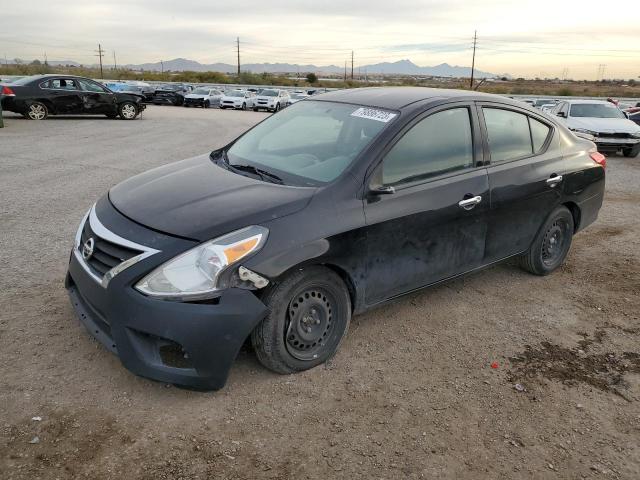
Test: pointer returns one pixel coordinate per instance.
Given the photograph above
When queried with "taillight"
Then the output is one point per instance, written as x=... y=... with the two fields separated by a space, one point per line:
x=599 y=158
x=7 y=92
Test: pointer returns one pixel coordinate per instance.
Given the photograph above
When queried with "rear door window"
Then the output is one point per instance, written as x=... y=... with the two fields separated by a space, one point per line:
x=508 y=134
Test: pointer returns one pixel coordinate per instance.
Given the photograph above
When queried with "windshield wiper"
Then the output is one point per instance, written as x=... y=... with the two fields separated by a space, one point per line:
x=263 y=174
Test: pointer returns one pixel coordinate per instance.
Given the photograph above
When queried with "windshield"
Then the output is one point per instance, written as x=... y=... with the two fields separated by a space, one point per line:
x=311 y=142
x=268 y=93
x=235 y=94
x=201 y=91
x=596 y=110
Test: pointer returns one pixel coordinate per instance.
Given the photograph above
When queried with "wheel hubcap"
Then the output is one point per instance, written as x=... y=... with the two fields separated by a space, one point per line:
x=310 y=323
x=553 y=244
x=128 y=111
x=36 y=112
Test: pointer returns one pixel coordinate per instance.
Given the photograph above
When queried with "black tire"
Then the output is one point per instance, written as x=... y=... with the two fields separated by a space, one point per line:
x=36 y=111
x=244 y=106
x=277 y=109
x=206 y=104
x=255 y=109
x=551 y=244
x=313 y=298
x=128 y=110
x=185 y=105
x=222 y=108
x=631 y=152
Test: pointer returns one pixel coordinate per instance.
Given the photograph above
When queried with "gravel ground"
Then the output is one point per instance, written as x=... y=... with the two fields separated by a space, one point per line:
x=411 y=394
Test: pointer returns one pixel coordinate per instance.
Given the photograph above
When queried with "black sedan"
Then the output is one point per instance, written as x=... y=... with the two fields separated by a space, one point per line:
x=171 y=94
x=324 y=210
x=37 y=97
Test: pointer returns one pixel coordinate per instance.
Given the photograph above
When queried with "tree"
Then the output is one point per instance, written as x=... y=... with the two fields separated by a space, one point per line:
x=312 y=78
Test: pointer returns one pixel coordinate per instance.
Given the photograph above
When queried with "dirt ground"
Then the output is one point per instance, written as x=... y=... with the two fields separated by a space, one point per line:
x=411 y=394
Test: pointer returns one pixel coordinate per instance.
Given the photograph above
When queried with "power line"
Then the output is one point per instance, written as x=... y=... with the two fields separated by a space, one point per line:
x=115 y=64
x=473 y=59
x=238 y=45
x=100 y=55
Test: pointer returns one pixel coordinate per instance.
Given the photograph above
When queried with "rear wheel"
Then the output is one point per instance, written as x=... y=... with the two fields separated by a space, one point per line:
x=36 y=111
x=128 y=110
x=551 y=244
x=631 y=152
x=309 y=315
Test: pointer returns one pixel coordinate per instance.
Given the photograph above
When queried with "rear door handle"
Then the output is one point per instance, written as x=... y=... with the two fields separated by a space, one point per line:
x=469 y=203
x=554 y=180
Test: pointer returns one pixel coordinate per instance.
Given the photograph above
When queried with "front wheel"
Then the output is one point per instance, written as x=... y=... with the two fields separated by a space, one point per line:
x=551 y=244
x=277 y=107
x=36 y=111
x=206 y=104
x=309 y=315
x=244 y=106
x=128 y=110
x=631 y=152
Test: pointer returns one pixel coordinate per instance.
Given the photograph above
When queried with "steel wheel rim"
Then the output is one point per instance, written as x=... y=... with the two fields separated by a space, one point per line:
x=310 y=323
x=37 y=112
x=553 y=243
x=128 y=111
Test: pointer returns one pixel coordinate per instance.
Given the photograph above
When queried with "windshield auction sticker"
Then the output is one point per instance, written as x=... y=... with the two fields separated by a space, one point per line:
x=374 y=114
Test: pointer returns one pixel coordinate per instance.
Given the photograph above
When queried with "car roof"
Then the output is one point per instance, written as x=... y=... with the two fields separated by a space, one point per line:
x=395 y=98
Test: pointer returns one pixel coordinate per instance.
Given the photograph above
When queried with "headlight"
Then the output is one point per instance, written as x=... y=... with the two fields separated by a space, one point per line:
x=195 y=274
x=636 y=134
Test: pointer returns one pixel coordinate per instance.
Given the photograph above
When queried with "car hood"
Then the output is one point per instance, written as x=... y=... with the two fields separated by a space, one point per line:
x=199 y=200
x=604 y=125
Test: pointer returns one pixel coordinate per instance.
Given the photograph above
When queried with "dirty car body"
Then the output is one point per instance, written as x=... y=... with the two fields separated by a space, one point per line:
x=373 y=214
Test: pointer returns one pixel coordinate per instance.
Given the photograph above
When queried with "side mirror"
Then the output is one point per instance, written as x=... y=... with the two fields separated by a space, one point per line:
x=561 y=114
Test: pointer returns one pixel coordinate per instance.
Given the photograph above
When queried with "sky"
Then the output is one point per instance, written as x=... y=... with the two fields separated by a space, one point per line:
x=532 y=38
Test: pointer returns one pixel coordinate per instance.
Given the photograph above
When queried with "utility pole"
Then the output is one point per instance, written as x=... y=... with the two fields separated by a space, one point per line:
x=473 y=60
x=100 y=55
x=115 y=64
x=345 y=70
x=351 y=64
x=46 y=62
x=238 y=46
x=161 y=66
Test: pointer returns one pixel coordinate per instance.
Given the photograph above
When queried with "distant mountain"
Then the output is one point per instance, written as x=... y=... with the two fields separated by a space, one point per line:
x=401 y=67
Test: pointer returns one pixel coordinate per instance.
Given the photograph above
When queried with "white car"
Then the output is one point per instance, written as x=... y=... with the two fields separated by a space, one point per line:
x=271 y=99
x=203 y=97
x=241 y=99
x=611 y=129
x=296 y=97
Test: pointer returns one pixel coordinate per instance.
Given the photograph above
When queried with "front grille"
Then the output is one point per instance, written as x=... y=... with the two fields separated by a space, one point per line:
x=614 y=135
x=106 y=254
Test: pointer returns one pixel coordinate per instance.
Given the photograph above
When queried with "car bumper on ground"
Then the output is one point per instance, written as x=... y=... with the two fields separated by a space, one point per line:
x=613 y=143
x=188 y=344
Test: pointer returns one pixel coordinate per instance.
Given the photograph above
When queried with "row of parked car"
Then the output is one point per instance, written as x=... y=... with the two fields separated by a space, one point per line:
x=271 y=99
x=611 y=125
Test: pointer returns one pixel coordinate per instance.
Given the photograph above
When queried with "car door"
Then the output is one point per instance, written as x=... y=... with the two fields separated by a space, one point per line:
x=426 y=210
x=96 y=99
x=526 y=172
x=64 y=94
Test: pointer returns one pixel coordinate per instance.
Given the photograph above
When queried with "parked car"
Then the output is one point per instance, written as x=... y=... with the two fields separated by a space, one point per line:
x=295 y=97
x=239 y=99
x=203 y=97
x=171 y=94
x=610 y=127
x=635 y=117
x=36 y=97
x=333 y=206
x=147 y=89
x=540 y=102
x=124 y=88
x=271 y=100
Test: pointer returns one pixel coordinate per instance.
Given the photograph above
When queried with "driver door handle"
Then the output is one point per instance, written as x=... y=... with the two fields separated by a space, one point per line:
x=554 y=180
x=469 y=203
